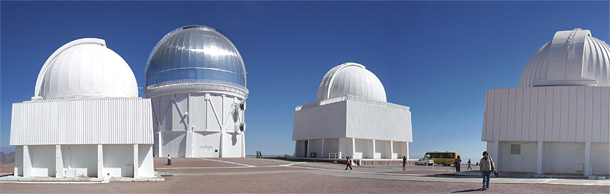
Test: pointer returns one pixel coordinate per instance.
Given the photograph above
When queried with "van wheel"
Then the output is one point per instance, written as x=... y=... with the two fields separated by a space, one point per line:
x=444 y=164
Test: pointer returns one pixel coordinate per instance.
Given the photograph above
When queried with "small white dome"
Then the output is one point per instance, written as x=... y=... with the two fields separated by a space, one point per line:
x=573 y=57
x=85 y=68
x=351 y=79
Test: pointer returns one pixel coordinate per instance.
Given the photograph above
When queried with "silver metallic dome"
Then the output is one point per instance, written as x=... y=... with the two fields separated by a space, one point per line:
x=195 y=55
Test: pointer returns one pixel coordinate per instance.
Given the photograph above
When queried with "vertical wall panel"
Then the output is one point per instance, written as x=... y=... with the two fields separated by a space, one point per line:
x=580 y=114
x=605 y=116
x=90 y=121
x=518 y=114
x=497 y=114
x=559 y=113
x=526 y=127
x=588 y=113
x=490 y=113
x=596 y=132
x=561 y=117
x=510 y=132
x=504 y=115
x=572 y=116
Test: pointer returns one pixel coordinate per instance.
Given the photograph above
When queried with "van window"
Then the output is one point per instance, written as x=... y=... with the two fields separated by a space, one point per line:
x=450 y=155
x=427 y=156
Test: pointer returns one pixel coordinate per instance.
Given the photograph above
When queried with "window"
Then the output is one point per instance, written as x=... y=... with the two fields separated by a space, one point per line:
x=515 y=149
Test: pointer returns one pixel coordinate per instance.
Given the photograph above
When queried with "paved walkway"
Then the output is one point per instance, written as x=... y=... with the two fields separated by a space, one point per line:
x=440 y=174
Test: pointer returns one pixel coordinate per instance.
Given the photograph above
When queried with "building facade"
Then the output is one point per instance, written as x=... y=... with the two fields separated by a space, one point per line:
x=557 y=121
x=352 y=118
x=85 y=119
x=196 y=80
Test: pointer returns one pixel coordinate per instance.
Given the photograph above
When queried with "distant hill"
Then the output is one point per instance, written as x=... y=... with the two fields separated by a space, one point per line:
x=7 y=159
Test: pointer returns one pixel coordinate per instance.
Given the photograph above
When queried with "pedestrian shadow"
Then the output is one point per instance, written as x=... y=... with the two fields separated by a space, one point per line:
x=467 y=190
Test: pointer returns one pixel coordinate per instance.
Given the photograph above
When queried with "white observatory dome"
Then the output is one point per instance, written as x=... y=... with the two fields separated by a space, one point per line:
x=351 y=79
x=85 y=68
x=573 y=57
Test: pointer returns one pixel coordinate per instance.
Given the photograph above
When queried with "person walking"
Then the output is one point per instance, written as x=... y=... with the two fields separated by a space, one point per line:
x=487 y=166
x=404 y=162
x=458 y=163
x=469 y=163
x=169 y=160
x=256 y=153
x=349 y=163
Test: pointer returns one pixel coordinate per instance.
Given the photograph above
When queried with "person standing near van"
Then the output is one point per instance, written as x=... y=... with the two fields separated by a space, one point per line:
x=457 y=162
x=404 y=162
x=349 y=163
x=487 y=166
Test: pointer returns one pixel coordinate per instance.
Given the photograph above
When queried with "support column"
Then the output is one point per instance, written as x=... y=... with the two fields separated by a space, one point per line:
x=221 y=146
x=341 y=147
x=136 y=162
x=188 y=153
x=18 y=168
x=322 y=154
x=308 y=146
x=539 y=161
x=374 y=149
x=353 y=147
x=392 y=149
x=27 y=163
x=100 y=161
x=495 y=154
x=59 y=163
x=407 y=149
x=243 y=144
x=159 y=144
x=587 y=158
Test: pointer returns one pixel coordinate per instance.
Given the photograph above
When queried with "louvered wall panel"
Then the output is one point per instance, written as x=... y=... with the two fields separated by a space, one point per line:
x=559 y=114
x=89 y=121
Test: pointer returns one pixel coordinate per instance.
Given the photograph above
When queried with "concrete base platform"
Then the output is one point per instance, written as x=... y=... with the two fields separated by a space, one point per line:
x=11 y=178
x=368 y=162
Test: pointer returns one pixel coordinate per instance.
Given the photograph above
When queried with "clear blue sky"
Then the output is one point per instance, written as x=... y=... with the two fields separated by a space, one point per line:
x=436 y=57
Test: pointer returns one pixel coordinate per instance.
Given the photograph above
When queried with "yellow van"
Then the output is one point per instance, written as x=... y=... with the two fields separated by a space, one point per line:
x=444 y=158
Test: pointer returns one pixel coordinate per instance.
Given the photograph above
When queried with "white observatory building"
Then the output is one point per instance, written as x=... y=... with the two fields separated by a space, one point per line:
x=557 y=120
x=196 y=80
x=352 y=118
x=85 y=119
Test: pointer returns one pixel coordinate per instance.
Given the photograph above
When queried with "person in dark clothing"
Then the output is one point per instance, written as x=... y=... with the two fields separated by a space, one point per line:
x=457 y=162
x=169 y=160
x=349 y=163
x=469 y=163
x=404 y=162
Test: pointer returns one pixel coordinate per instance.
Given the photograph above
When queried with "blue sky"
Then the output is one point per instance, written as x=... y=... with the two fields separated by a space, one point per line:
x=436 y=57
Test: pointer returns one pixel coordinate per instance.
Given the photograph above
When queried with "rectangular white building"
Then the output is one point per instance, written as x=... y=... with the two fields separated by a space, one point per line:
x=357 y=127
x=83 y=138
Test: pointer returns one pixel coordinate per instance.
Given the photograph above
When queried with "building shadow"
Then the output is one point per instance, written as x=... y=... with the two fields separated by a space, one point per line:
x=468 y=190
